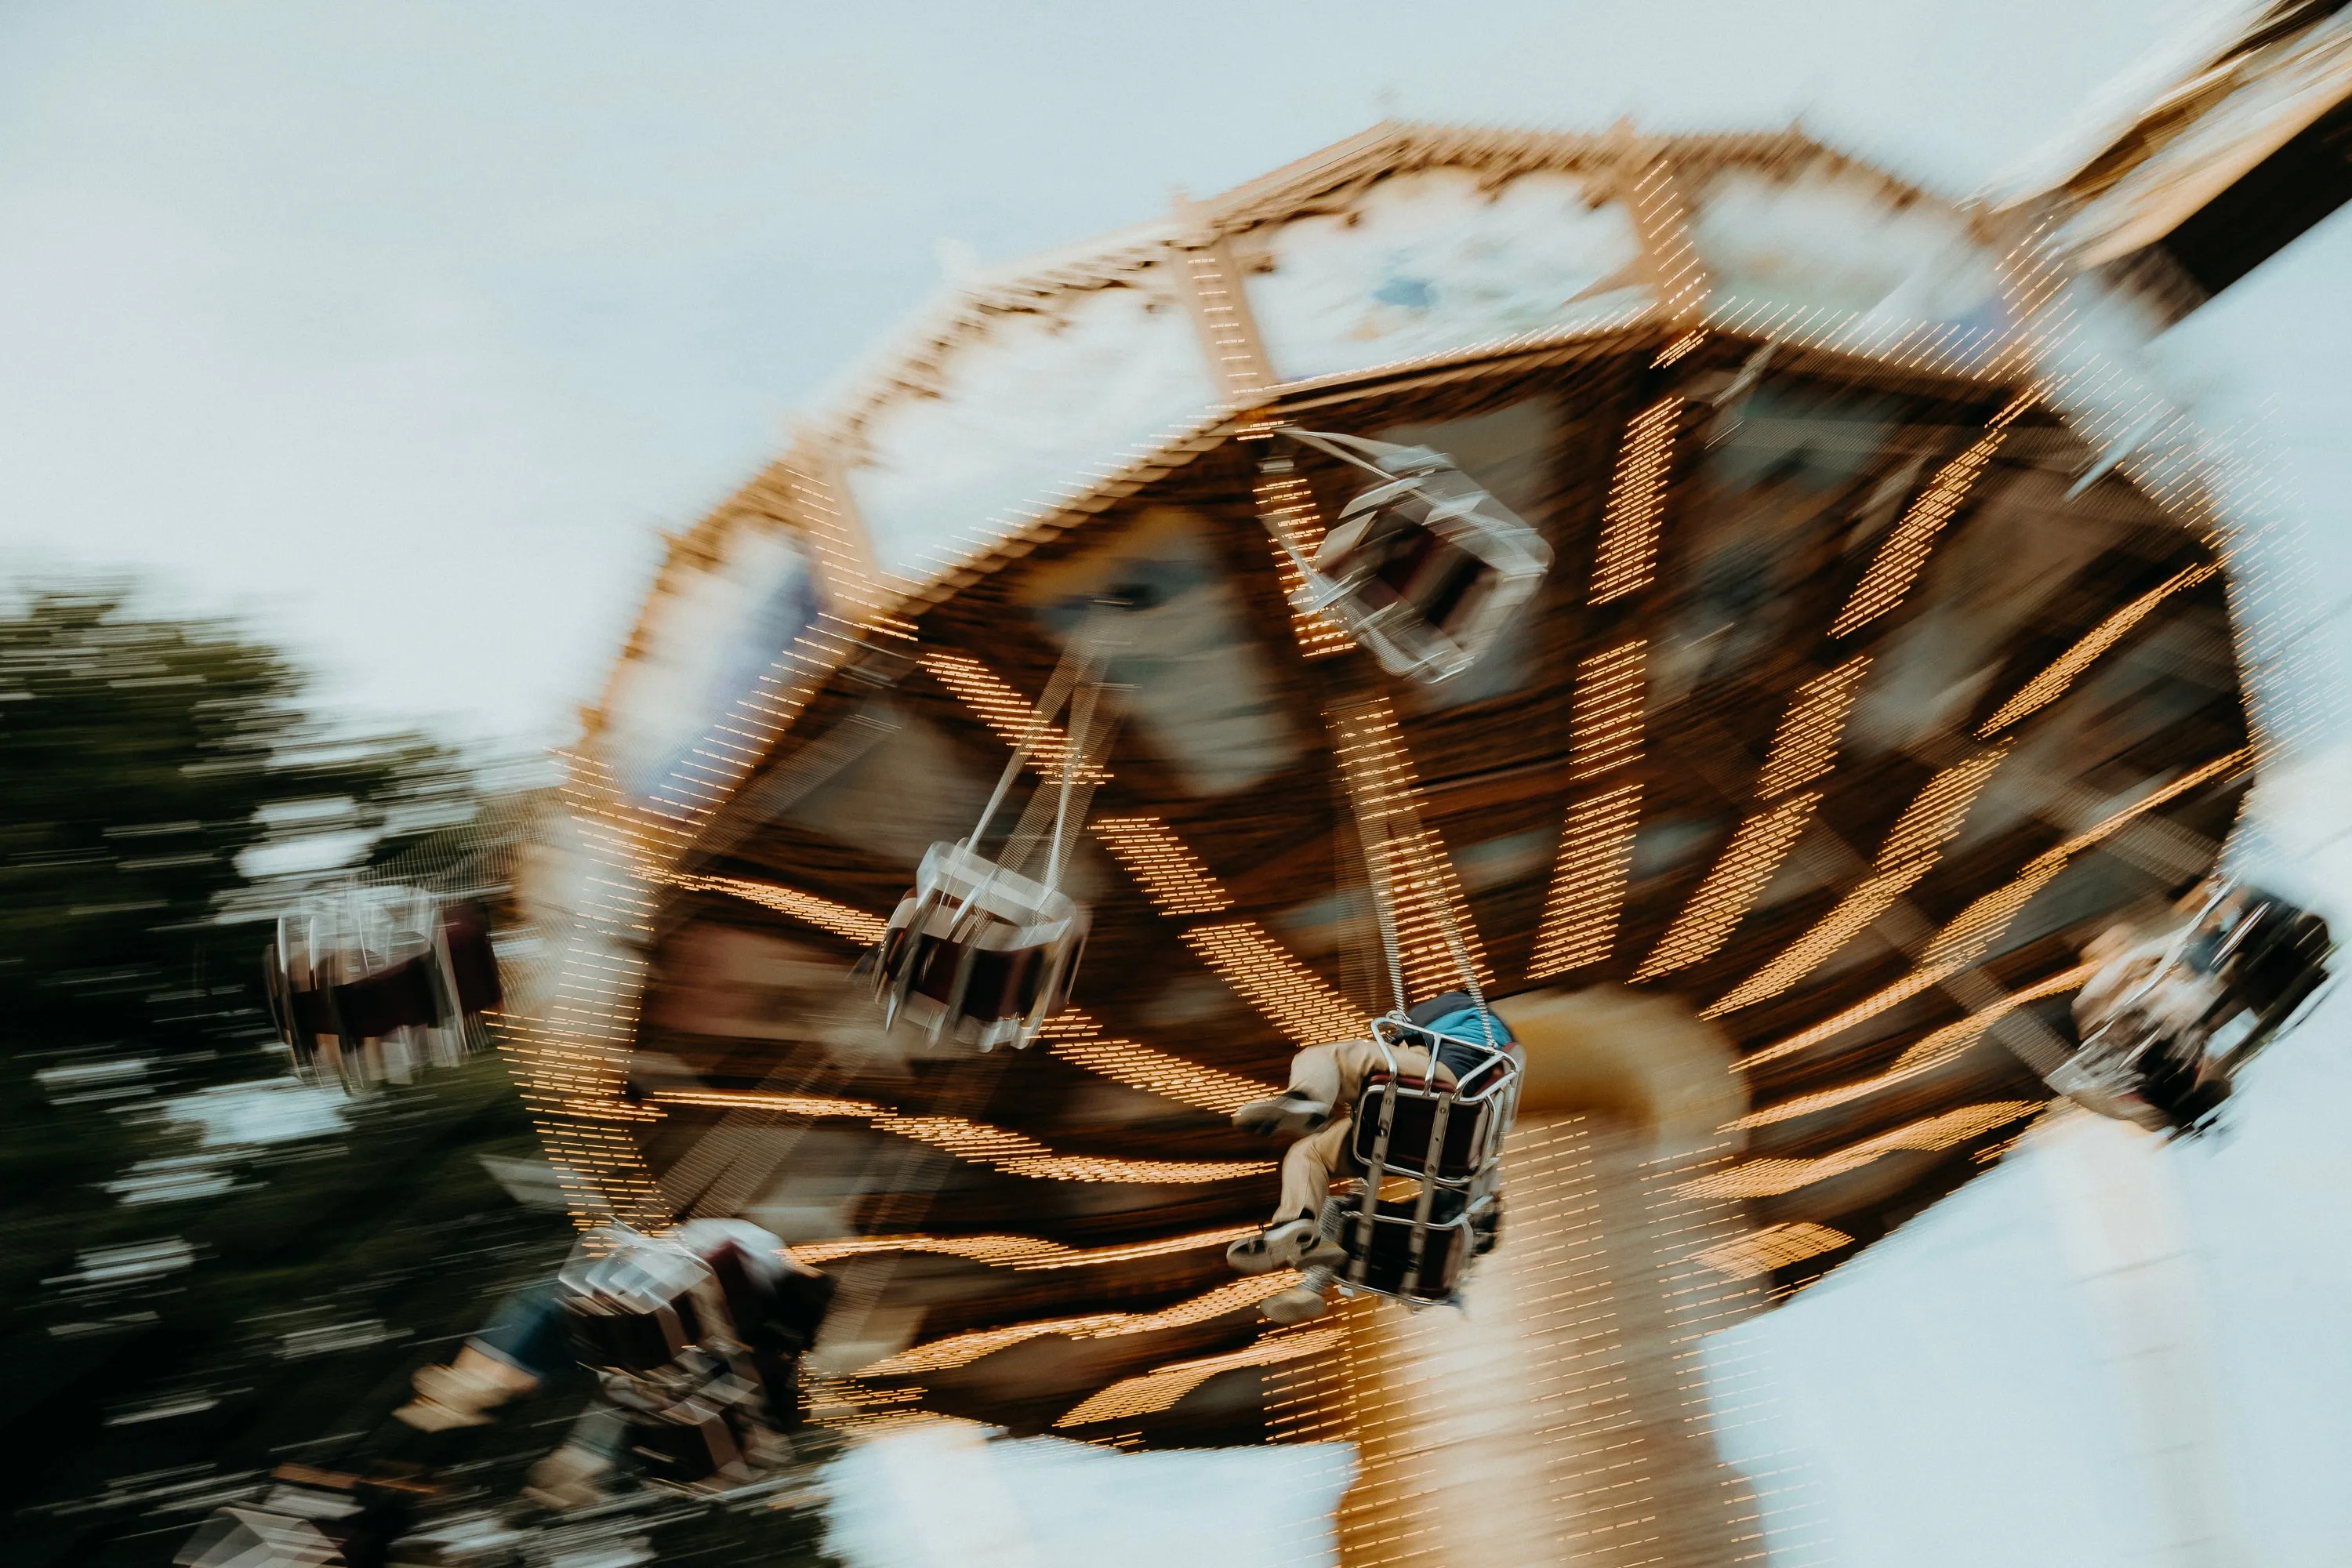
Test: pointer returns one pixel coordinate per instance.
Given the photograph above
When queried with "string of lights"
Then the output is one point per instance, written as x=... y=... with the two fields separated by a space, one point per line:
x=1285 y=504
x=1223 y=314
x=1406 y=861
x=1774 y=1247
x=1770 y=1178
x=1264 y=974
x=1628 y=554
x=1170 y=875
x=1023 y=1253
x=1678 y=348
x=1745 y=866
x=975 y=1142
x=1805 y=746
x=1935 y=1050
x=1925 y=978
x=1804 y=749
x=1012 y=716
x=1607 y=710
x=1305 y=1397
x=1661 y=218
x=1077 y=1039
x=1588 y=884
x=1596 y=843
x=855 y=925
x=1156 y=1390
x=960 y=1350
x=1905 y=550
x=1973 y=931
x=1911 y=851
x=2047 y=687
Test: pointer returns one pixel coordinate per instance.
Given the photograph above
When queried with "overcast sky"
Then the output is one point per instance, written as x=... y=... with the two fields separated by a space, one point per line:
x=402 y=327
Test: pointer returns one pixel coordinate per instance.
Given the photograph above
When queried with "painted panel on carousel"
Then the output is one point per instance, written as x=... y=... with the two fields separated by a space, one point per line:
x=1433 y=261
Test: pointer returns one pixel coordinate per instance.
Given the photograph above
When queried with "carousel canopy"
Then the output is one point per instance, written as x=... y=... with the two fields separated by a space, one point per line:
x=1865 y=683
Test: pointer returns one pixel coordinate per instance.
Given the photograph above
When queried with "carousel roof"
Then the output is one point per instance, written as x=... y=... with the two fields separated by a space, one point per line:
x=1864 y=685
x=2218 y=149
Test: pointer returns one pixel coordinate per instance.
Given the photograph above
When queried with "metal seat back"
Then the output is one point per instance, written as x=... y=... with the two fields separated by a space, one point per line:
x=1425 y=568
x=979 y=953
x=1445 y=1138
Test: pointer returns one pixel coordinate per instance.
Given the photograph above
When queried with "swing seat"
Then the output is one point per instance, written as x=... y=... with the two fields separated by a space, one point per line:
x=1446 y=1137
x=1426 y=568
x=634 y=1309
x=244 y=1537
x=694 y=1337
x=979 y=953
x=376 y=984
x=2245 y=965
x=1469 y=1127
x=1476 y=1110
x=682 y=1450
x=1384 y=1251
x=2273 y=956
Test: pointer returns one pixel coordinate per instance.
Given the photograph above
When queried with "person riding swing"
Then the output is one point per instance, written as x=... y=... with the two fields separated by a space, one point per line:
x=1318 y=1111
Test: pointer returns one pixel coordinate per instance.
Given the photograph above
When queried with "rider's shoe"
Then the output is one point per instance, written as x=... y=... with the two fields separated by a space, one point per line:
x=571 y=1478
x=1293 y=1244
x=1296 y=1305
x=463 y=1393
x=1292 y=1114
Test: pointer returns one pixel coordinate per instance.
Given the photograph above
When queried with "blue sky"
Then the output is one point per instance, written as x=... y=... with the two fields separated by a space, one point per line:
x=402 y=327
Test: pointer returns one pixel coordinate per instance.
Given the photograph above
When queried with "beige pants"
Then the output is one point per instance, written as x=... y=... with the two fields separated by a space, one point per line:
x=1332 y=1074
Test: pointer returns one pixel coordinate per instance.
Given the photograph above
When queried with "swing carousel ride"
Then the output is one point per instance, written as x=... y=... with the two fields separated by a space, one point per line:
x=1735 y=617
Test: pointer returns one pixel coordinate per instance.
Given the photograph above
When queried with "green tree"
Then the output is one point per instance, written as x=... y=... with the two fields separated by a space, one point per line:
x=141 y=762
x=161 y=791
x=149 y=769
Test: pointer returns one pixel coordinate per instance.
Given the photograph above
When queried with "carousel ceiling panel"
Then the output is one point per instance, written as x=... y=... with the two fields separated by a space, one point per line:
x=1020 y=412
x=1193 y=678
x=1438 y=261
x=933 y=788
x=1842 y=241
x=716 y=626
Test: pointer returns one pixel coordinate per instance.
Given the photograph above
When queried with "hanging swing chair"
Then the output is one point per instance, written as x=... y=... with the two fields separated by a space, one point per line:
x=979 y=950
x=2168 y=1021
x=370 y=984
x=1428 y=1132
x=1430 y=1198
x=1425 y=568
x=694 y=1339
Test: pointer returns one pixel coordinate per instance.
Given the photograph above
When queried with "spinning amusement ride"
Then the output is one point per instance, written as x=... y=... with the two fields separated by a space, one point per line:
x=1726 y=609
x=1861 y=688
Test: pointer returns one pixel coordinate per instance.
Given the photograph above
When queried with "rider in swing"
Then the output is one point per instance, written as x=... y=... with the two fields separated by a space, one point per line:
x=1318 y=1110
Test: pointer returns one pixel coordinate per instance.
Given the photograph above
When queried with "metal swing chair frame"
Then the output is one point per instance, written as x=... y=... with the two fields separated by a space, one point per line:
x=975 y=948
x=1427 y=568
x=1448 y=1140
x=1445 y=1137
x=2112 y=1066
x=375 y=983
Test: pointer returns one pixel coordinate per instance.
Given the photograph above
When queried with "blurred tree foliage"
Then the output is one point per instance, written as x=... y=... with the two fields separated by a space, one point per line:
x=144 y=764
x=150 y=770
x=184 y=1310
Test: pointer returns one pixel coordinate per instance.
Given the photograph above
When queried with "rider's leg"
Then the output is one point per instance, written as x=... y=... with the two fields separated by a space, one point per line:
x=1307 y=1299
x=527 y=1343
x=576 y=1474
x=1307 y=1167
x=1311 y=1099
x=1323 y=1080
x=1293 y=1237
